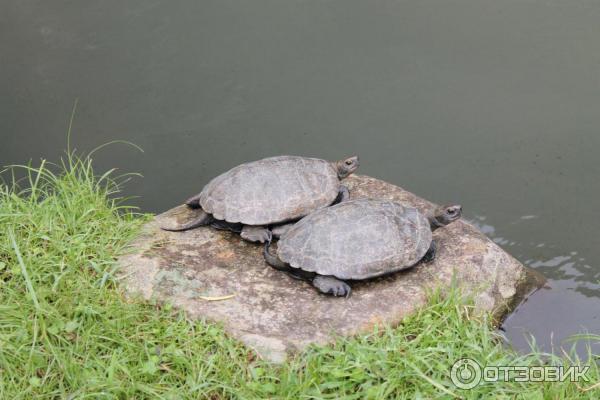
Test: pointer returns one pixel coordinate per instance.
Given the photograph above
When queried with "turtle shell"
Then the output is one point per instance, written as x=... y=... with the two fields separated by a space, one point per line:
x=357 y=239
x=271 y=190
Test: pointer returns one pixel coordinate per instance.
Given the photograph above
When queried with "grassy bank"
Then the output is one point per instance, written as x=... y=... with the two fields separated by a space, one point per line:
x=66 y=331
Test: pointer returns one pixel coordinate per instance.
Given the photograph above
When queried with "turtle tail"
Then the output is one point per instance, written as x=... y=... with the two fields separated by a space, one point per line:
x=273 y=260
x=202 y=220
x=193 y=202
x=279 y=265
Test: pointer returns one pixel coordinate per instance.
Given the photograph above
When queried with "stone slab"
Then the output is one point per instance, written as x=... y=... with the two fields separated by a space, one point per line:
x=275 y=314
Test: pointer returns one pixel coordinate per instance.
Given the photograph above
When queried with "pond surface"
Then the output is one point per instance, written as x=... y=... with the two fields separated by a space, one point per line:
x=492 y=104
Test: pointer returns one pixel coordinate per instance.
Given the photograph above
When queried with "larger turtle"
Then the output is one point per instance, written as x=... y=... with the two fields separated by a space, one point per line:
x=255 y=196
x=358 y=239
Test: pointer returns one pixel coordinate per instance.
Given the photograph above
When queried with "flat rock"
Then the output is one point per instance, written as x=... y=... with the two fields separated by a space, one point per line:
x=275 y=314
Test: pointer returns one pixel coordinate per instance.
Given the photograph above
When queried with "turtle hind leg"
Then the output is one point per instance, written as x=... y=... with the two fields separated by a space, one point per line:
x=203 y=219
x=331 y=285
x=324 y=283
x=280 y=265
x=274 y=261
x=226 y=226
x=343 y=195
x=277 y=263
x=253 y=233
x=430 y=255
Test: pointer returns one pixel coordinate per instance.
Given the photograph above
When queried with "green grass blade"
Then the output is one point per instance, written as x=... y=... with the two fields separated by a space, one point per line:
x=30 y=288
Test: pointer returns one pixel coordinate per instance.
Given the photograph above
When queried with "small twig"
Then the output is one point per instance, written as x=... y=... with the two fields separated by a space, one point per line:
x=587 y=389
x=217 y=298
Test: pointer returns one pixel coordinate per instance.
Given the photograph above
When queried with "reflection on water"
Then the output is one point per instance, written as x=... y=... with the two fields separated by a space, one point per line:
x=574 y=272
x=565 y=306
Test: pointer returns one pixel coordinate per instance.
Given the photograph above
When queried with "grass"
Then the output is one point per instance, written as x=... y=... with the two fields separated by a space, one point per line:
x=67 y=331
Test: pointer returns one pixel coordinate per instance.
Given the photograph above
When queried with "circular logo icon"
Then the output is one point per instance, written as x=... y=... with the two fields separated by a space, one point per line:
x=466 y=373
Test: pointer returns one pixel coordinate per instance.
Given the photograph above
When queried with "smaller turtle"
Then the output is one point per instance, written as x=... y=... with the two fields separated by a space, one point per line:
x=356 y=240
x=269 y=193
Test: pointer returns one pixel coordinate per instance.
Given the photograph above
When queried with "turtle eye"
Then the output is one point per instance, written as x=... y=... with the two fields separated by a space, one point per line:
x=451 y=211
x=348 y=162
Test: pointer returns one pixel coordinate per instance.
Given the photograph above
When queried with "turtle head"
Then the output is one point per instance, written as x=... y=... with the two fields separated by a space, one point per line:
x=445 y=215
x=346 y=167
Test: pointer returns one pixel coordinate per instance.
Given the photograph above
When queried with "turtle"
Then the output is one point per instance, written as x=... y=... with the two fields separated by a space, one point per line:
x=260 y=199
x=356 y=240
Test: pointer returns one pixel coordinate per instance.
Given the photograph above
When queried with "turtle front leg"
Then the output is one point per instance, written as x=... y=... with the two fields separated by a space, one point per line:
x=343 y=194
x=331 y=285
x=253 y=233
x=430 y=255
